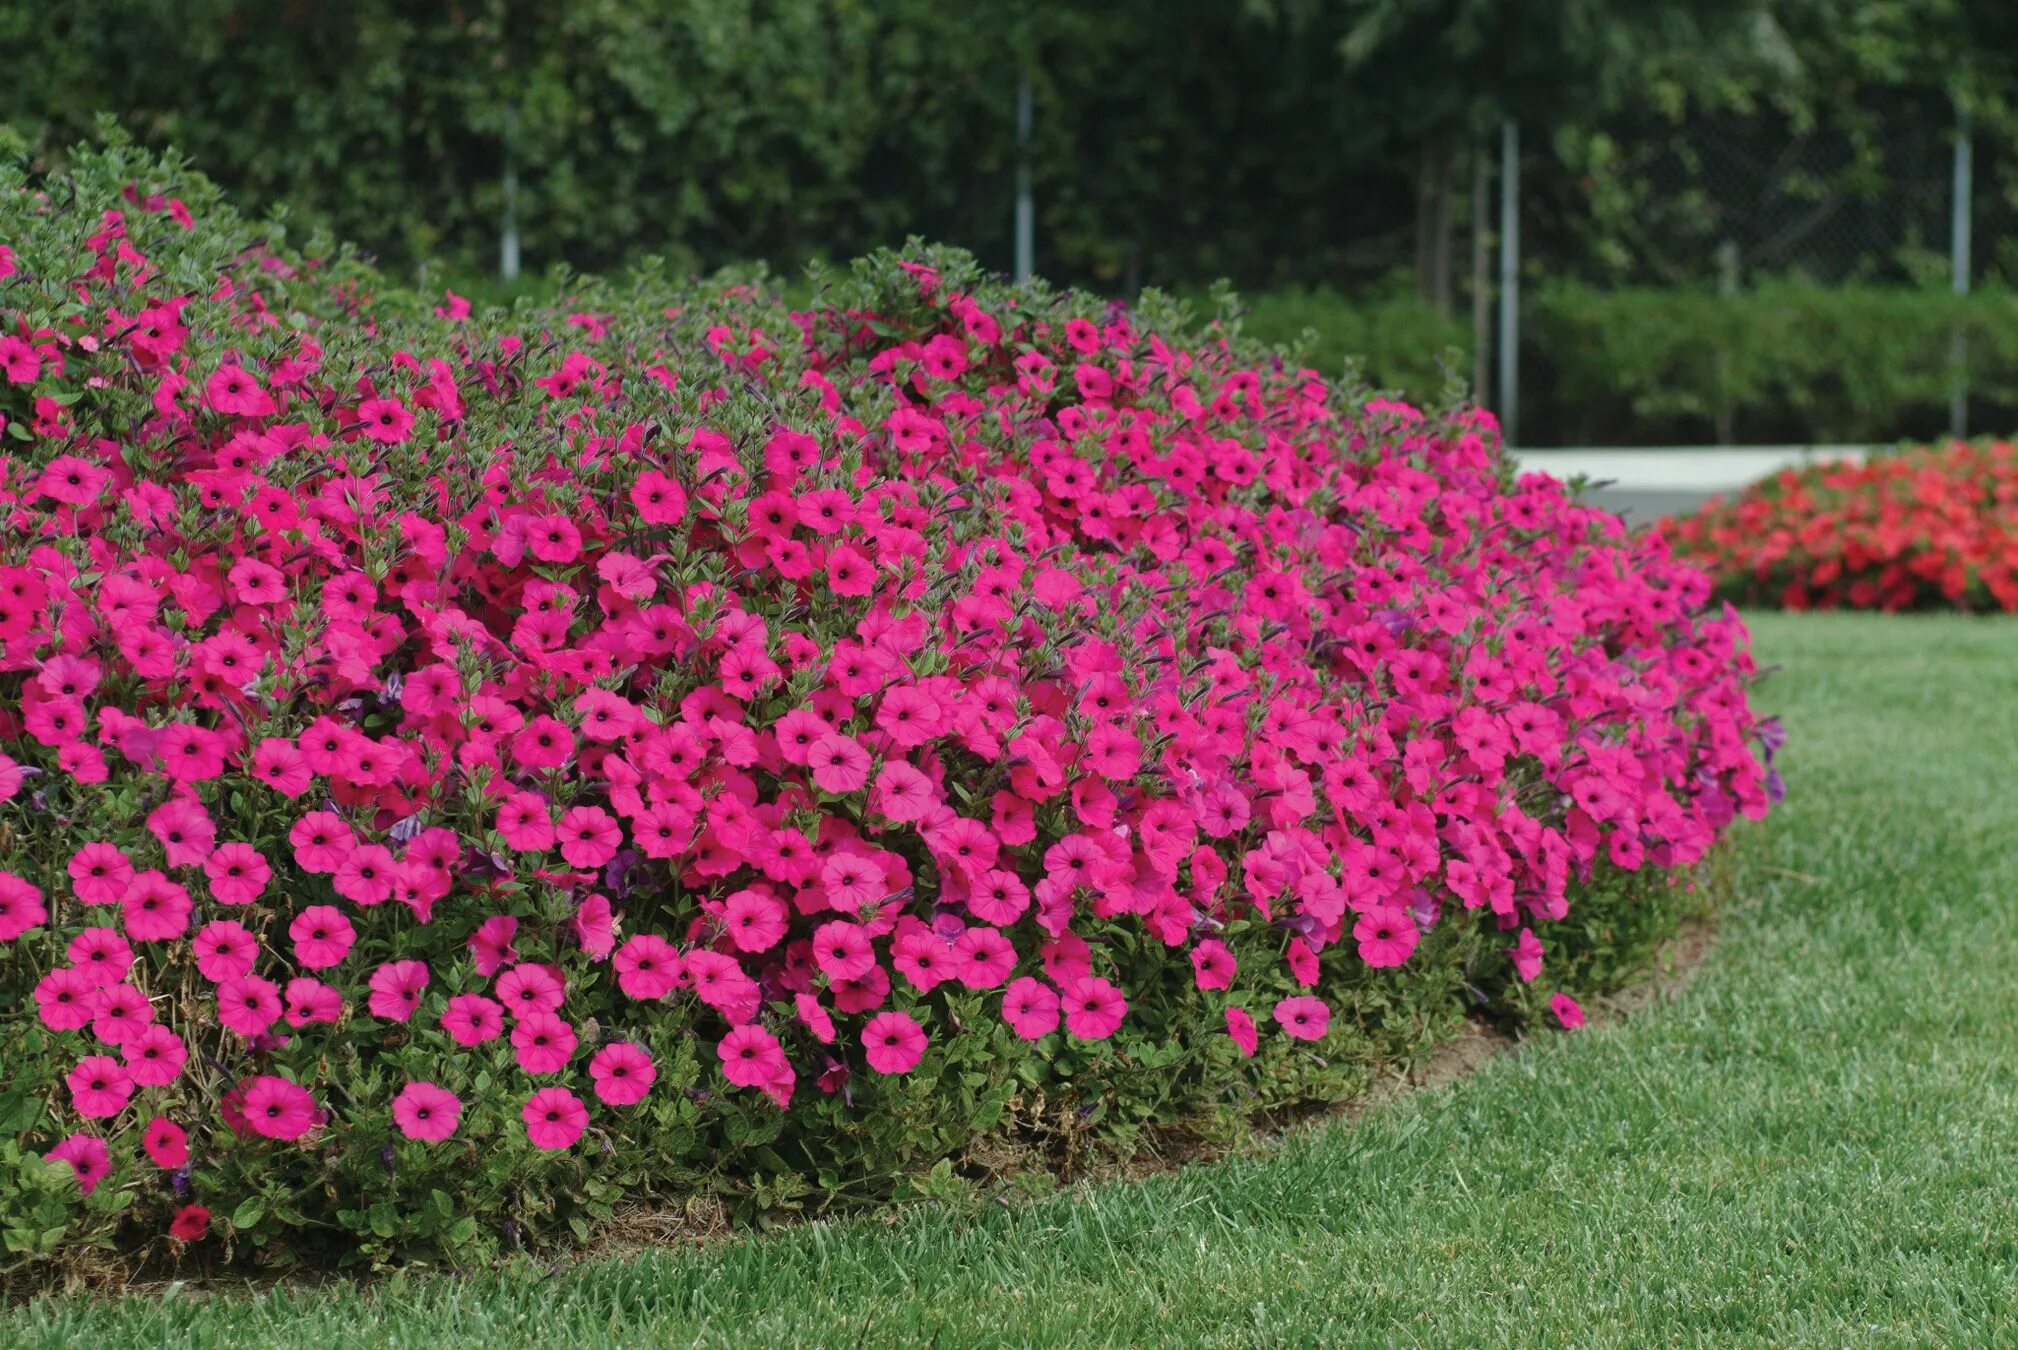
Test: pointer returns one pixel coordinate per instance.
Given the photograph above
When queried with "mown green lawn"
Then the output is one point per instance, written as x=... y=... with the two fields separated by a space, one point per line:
x=1816 y=1141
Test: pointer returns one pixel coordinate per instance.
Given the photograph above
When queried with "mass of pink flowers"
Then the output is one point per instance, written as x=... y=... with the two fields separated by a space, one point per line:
x=432 y=729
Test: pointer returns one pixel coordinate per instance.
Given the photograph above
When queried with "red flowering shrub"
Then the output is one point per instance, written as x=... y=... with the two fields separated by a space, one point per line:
x=466 y=770
x=1935 y=527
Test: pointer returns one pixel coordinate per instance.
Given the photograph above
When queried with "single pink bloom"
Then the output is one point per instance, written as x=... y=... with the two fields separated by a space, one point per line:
x=278 y=1109
x=472 y=1019
x=531 y=988
x=1240 y=1026
x=426 y=1111
x=555 y=1118
x=1093 y=1007
x=751 y=1056
x=154 y=1056
x=310 y=1001
x=396 y=988
x=893 y=1042
x=166 y=1143
x=154 y=909
x=120 y=1013
x=543 y=1043
x=1386 y=936
x=99 y=874
x=1030 y=1007
x=589 y=836
x=101 y=954
x=623 y=1073
x=99 y=1086
x=225 y=949
x=385 y=420
x=1303 y=1018
x=647 y=966
x=842 y=949
x=21 y=907
x=1213 y=964
x=839 y=764
x=815 y=1018
x=322 y=937
x=248 y=1005
x=88 y=1157
x=66 y=999
x=1567 y=1011
x=238 y=873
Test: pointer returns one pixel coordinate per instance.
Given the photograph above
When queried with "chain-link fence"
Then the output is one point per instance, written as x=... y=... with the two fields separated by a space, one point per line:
x=1756 y=278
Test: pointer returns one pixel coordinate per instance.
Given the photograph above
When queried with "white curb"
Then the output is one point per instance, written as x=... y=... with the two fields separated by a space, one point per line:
x=1717 y=468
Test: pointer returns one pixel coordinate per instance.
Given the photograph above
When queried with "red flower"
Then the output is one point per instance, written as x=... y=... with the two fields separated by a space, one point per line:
x=190 y=1224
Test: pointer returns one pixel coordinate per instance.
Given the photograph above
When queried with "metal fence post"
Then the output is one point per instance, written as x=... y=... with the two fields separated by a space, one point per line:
x=508 y=242
x=1509 y=282
x=1026 y=215
x=1958 y=251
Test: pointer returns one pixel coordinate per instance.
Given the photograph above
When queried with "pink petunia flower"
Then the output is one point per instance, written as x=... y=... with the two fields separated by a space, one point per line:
x=90 y=1161
x=248 y=1005
x=1304 y=1018
x=425 y=1111
x=543 y=1043
x=396 y=988
x=751 y=1056
x=472 y=1019
x=322 y=937
x=589 y=836
x=1031 y=1008
x=839 y=764
x=1386 y=936
x=842 y=950
x=1093 y=1007
x=166 y=1144
x=893 y=1042
x=120 y=1013
x=1526 y=955
x=531 y=988
x=555 y=1118
x=647 y=966
x=1567 y=1011
x=278 y=1109
x=154 y=1056
x=1240 y=1026
x=224 y=950
x=623 y=1073
x=309 y=1001
x=99 y=1086
x=21 y=907
x=101 y=954
x=1213 y=964
x=99 y=874
x=238 y=873
x=66 y=999
x=154 y=908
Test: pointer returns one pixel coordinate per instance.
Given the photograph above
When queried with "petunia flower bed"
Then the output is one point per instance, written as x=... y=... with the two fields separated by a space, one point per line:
x=467 y=772
x=1933 y=527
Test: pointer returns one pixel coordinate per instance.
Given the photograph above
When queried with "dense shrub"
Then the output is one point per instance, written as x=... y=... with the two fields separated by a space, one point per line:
x=1782 y=361
x=1391 y=343
x=465 y=770
x=1933 y=527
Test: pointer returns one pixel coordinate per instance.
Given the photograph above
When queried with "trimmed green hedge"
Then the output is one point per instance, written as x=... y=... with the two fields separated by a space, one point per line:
x=1790 y=361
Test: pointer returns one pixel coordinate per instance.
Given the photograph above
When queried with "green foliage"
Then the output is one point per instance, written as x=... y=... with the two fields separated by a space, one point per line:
x=1789 y=361
x=1394 y=343
x=1783 y=361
